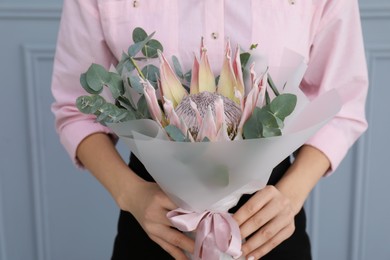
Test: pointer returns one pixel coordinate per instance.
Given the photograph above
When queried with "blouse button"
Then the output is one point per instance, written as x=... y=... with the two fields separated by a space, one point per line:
x=214 y=35
x=135 y=3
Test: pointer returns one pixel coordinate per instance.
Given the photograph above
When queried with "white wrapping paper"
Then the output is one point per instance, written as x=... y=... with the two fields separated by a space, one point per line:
x=212 y=176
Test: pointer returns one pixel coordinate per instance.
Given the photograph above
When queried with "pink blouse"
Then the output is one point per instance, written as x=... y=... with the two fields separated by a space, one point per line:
x=327 y=33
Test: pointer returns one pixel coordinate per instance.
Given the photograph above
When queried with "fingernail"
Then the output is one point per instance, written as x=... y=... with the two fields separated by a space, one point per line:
x=251 y=258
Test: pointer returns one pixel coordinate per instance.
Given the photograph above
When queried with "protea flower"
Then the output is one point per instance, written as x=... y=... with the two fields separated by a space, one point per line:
x=216 y=112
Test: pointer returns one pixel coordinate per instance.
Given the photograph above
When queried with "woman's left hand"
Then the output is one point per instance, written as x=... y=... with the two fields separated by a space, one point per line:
x=269 y=217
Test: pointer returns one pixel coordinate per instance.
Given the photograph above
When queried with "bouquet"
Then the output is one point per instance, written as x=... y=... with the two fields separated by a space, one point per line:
x=205 y=139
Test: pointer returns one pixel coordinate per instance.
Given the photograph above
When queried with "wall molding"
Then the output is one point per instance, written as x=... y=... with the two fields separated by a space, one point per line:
x=3 y=253
x=362 y=157
x=312 y=207
x=375 y=11
x=53 y=11
x=30 y=12
x=359 y=199
x=33 y=55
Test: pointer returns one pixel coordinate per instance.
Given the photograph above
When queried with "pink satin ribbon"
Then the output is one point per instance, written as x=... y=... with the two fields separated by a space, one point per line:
x=216 y=232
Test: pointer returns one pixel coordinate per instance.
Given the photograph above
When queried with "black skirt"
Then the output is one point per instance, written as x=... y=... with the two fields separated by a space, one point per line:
x=131 y=240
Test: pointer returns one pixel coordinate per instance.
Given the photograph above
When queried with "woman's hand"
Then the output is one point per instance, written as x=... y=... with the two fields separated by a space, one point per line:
x=145 y=200
x=269 y=217
x=150 y=210
x=269 y=214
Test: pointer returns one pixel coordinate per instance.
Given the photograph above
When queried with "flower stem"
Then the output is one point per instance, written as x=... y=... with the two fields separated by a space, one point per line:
x=137 y=68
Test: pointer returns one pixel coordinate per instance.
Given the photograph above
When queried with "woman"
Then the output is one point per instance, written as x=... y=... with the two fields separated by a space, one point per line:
x=327 y=33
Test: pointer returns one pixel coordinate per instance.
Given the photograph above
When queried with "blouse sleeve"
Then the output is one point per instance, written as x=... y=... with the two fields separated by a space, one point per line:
x=80 y=43
x=337 y=60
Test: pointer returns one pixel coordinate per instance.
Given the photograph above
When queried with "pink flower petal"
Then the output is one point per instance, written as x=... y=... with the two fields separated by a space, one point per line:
x=195 y=108
x=227 y=80
x=151 y=100
x=240 y=97
x=253 y=74
x=170 y=85
x=174 y=118
x=238 y=71
x=206 y=76
x=207 y=128
x=262 y=86
x=249 y=106
x=219 y=112
x=171 y=114
x=222 y=134
x=194 y=86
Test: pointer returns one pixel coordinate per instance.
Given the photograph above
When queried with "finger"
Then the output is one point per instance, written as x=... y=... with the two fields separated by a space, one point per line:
x=177 y=239
x=165 y=202
x=174 y=251
x=157 y=215
x=254 y=204
x=263 y=216
x=277 y=206
x=272 y=243
x=267 y=233
x=169 y=205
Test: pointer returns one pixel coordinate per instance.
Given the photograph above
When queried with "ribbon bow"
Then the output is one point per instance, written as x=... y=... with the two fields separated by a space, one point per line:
x=216 y=232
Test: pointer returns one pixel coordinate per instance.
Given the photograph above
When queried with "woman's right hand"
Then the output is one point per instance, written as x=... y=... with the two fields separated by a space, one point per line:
x=145 y=200
x=150 y=205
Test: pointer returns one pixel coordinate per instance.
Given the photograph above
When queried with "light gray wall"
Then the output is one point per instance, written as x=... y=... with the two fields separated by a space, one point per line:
x=50 y=210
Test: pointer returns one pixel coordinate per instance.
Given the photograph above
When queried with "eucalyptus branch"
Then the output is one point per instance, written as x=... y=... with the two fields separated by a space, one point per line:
x=137 y=68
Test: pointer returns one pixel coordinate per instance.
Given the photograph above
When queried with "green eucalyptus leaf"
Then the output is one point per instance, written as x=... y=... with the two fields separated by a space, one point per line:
x=128 y=95
x=269 y=122
x=262 y=123
x=142 y=107
x=271 y=132
x=272 y=85
x=118 y=115
x=126 y=63
x=126 y=103
x=187 y=88
x=136 y=84
x=280 y=122
x=96 y=77
x=187 y=76
x=105 y=111
x=135 y=48
x=177 y=67
x=83 y=80
x=267 y=119
x=151 y=73
x=253 y=128
x=175 y=133
x=110 y=113
x=116 y=85
x=89 y=104
x=267 y=97
x=217 y=79
x=244 y=58
x=86 y=87
x=151 y=47
x=139 y=34
x=129 y=116
x=283 y=105
x=206 y=139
